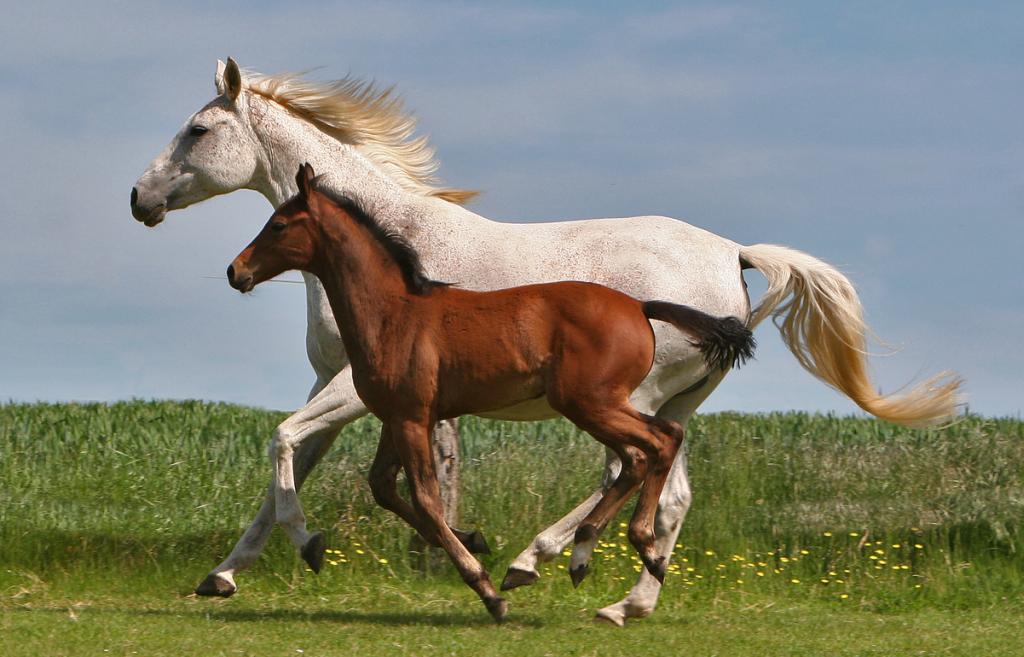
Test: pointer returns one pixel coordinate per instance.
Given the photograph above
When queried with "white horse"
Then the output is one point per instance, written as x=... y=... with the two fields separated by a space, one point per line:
x=258 y=130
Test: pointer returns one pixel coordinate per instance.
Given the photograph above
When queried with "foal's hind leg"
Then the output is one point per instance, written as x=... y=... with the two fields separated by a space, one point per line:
x=383 y=475
x=641 y=526
x=626 y=430
x=412 y=441
x=672 y=507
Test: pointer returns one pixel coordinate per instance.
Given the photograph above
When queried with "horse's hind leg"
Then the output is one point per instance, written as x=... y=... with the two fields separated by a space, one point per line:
x=549 y=543
x=383 y=475
x=412 y=441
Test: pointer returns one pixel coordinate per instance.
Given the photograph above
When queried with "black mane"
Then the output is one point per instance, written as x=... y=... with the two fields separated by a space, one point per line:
x=399 y=248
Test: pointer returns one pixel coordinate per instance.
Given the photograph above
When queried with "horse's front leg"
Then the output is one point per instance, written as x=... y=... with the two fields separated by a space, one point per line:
x=340 y=393
x=335 y=406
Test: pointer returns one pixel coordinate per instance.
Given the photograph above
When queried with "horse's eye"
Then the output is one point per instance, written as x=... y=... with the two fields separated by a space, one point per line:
x=198 y=130
x=277 y=226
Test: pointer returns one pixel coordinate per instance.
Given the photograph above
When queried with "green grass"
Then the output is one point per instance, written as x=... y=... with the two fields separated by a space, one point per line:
x=383 y=616
x=808 y=534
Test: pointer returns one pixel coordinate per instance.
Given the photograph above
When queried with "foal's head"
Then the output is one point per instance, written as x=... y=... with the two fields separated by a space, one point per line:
x=288 y=241
x=292 y=237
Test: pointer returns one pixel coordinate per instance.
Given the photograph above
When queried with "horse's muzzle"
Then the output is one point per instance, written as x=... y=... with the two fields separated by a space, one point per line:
x=150 y=216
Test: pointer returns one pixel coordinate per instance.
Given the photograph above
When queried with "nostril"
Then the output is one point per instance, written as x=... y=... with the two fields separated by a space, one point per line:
x=135 y=196
x=231 y=273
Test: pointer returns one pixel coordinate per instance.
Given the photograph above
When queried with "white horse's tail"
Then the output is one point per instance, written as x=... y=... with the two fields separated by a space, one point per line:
x=821 y=320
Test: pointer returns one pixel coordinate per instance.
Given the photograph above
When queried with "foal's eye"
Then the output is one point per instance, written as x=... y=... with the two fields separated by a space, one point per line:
x=198 y=130
x=277 y=226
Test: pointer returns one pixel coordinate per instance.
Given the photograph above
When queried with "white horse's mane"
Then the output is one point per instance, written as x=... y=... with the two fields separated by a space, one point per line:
x=357 y=112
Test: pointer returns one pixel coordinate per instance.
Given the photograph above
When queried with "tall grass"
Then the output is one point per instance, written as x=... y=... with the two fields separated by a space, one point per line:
x=805 y=504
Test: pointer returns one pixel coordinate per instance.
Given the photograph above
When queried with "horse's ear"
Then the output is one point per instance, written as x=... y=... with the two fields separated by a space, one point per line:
x=232 y=80
x=304 y=179
x=218 y=78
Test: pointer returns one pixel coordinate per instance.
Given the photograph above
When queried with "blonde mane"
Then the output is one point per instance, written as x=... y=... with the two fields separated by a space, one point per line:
x=356 y=112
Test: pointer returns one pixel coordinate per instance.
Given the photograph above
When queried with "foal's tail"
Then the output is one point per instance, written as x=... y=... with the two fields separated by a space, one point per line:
x=821 y=320
x=724 y=341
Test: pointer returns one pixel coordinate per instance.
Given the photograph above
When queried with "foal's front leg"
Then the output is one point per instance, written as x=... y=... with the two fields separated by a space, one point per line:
x=412 y=440
x=383 y=475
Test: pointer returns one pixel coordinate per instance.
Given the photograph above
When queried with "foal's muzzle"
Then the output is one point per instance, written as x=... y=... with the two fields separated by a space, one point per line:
x=241 y=281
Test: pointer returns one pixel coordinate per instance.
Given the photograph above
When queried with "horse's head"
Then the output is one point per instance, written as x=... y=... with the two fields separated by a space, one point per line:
x=216 y=152
x=288 y=241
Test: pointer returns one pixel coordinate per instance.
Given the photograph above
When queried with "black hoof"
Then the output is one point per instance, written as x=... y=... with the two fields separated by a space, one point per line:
x=497 y=607
x=216 y=587
x=515 y=577
x=474 y=541
x=313 y=552
x=577 y=574
x=656 y=567
x=477 y=544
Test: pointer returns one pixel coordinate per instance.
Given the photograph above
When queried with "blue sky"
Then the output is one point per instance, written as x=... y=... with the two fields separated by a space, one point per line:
x=885 y=138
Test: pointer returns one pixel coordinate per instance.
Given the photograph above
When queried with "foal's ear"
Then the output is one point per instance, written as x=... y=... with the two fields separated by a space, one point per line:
x=229 y=79
x=304 y=179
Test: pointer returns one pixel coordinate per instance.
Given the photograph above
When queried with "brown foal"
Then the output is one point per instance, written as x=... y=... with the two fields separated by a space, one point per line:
x=423 y=351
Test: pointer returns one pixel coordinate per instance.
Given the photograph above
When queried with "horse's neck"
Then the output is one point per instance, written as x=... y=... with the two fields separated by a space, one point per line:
x=289 y=141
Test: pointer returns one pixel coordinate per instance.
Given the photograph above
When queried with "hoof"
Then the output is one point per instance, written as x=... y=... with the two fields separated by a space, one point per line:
x=515 y=577
x=497 y=607
x=577 y=574
x=611 y=617
x=313 y=552
x=474 y=541
x=214 y=586
x=656 y=567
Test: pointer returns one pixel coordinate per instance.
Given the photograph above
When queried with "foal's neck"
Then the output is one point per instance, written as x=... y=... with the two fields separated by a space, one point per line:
x=365 y=286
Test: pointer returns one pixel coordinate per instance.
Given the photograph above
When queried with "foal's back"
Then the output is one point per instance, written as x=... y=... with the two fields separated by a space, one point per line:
x=497 y=349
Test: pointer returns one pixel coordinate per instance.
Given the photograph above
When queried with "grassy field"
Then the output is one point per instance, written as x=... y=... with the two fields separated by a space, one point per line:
x=808 y=535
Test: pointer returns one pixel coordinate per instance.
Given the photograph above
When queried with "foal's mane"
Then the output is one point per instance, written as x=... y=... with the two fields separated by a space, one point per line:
x=357 y=112
x=399 y=248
